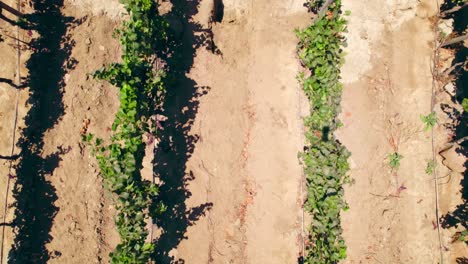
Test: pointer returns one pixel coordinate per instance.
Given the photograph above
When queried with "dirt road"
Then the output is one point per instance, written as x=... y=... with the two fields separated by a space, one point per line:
x=388 y=85
x=248 y=126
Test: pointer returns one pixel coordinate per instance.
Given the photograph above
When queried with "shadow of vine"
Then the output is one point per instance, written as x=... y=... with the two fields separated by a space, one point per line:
x=459 y=216
x=33 y=194
x=177 y=144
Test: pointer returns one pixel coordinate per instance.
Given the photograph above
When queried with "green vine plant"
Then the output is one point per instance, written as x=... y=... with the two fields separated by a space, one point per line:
x=429 y=121
x=465 y=104
x=458 y=2
x=430 y=167
x=394 y=160
x=324 y=158
x=141 y=90
x=463 y=236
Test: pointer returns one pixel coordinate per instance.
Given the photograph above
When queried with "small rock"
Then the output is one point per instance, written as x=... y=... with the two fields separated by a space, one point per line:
x=453 y=159
x=352 y=164
x=102 y=48
x=229 y=233
x=363 y=34
x=450 y=88
x=165 y=7
x=174 y=253
x=88 y=41
x=73 y=226
x=446 y=26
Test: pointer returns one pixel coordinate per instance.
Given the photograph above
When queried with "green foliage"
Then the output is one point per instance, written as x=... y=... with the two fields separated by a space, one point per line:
x=394 y=160
x=325 y=159
x=465 y=104
x=429 y=121
x=457 y=2
x=430 y=167
x=141 y=88
x=463 y=236
x=22 y=22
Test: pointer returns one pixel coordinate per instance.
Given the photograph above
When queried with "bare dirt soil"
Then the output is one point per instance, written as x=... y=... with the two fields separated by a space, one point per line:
x=240 y=202
x=12 y=69
x=83 y=228
x=388 y=86
x=227 y=161
x=74 y=220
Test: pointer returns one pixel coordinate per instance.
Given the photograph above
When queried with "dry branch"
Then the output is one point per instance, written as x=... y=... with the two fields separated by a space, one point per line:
x=454 y=40
x=453 y=10
x=434 y=88
x=451 y=69
x=323 y=10
x=14 y=157
x=461 y=140
x=10 y=9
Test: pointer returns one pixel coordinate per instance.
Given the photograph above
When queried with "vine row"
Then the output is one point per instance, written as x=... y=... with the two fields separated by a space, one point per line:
x=140 y=82
x=324 y=158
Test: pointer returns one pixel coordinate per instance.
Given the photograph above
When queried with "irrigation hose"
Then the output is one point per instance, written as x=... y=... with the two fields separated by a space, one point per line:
x=15 y=122
x=434 y=72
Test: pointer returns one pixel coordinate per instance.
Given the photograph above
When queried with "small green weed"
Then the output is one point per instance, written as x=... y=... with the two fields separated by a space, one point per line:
x=394 y=160
x=463 y=236
x=429 y=121
x=430 y=167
